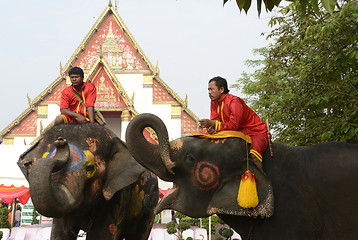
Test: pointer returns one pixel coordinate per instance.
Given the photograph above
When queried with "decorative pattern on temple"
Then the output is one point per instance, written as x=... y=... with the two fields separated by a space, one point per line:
x=107 y=95
x=187 y=124
x=56 y=94
x=113 y=44
x=28 y=126
x=160 y=95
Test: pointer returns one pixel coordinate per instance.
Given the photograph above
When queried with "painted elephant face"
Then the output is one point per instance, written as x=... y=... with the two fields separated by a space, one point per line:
x=73 y=165
x=206 y=173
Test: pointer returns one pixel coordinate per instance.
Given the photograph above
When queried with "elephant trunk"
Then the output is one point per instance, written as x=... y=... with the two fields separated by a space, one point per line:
x=48 y=200
x=154 y=157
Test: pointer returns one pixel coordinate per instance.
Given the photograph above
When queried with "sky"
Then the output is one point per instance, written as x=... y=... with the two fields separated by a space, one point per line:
x=192 y=41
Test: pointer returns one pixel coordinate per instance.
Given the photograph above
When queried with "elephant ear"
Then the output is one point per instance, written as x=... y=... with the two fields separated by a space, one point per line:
x=224 y=200
x=122 y=169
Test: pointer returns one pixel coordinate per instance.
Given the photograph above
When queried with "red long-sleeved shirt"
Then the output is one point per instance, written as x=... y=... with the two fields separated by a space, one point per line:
x=232 y=113
x=70 y=101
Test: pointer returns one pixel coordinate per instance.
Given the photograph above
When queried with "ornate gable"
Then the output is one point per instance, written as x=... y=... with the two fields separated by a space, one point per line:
x=110 y=93
x=111 y=40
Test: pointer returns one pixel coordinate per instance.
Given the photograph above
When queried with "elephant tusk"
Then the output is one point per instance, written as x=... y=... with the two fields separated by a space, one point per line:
x=169 y=164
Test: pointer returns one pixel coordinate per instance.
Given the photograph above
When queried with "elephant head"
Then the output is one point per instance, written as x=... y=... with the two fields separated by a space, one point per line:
x=206 y=173
x=73 y=166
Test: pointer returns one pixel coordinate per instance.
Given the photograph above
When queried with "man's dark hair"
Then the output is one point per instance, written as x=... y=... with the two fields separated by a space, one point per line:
x=220 y=82
x=76 y=70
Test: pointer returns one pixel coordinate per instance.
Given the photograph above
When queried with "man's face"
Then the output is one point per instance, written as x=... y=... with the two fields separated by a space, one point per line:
x=76 y=80
x=214 y=92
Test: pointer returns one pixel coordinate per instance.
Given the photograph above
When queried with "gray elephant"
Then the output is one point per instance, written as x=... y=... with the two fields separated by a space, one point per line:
x=308 y=192
x=84 y=177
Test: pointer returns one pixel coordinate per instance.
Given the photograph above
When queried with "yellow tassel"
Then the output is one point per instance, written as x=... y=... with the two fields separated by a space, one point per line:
x=247 y=196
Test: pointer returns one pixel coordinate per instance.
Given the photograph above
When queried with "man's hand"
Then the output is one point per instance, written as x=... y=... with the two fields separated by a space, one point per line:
x=206 y=123
x=81 y=119
x=211 y=130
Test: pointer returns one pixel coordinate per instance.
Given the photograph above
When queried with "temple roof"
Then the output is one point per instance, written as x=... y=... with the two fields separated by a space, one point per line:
x=108 y=49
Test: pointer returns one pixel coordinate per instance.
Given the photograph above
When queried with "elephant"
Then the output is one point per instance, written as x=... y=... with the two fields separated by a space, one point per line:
x=84 y=177
x=305 y=192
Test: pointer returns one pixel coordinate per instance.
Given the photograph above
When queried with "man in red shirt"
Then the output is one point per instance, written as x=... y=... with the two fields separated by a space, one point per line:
x=71 y=109
x=228 y=112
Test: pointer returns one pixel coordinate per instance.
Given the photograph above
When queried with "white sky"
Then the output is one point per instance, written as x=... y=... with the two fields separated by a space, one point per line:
x=193 y=40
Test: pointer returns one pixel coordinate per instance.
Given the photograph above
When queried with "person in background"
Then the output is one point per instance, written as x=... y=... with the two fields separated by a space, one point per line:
x=18 y=217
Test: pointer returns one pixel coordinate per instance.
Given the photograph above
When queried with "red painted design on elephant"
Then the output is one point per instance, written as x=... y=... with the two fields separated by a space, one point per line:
x=206 y=175
x=112 y=228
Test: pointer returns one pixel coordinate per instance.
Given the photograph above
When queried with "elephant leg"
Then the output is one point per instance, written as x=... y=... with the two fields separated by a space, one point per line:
x=63 y=229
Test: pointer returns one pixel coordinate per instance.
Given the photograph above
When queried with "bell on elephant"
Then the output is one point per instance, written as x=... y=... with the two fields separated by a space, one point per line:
x=84 y=177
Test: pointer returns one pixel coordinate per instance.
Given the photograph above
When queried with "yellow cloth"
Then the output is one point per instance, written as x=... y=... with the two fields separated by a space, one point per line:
x=222 y=134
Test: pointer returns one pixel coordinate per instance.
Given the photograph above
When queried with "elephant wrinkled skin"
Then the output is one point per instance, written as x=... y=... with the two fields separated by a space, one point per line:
x=84 y=177
x=313 y=192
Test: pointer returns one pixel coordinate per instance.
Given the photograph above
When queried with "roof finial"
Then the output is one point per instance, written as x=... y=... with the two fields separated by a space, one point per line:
x=110 y=3
x=132 y=98
x=29 y=99
x=61 y=69
x=116 y=5
x=186 y=101
x=41 y=127
x=156 y=72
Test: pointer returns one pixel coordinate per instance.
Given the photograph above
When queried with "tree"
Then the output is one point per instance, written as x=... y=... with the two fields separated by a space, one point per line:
x=308 y=81
x=270 y=4
x=4 y=212
x=35 y=214
x=178 y=229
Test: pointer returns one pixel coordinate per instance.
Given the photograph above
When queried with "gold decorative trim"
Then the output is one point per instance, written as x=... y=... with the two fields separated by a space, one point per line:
x=42 y=111
x=20 y=135
x=144 y=72
x=126 y=116
x=8 y=141
x=166 y=102
x=147 y=81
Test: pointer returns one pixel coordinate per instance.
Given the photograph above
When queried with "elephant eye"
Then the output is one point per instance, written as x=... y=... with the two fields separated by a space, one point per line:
x=190 y=158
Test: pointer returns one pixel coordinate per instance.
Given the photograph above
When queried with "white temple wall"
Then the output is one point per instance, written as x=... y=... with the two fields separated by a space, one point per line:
x=53 y=111
x=10 y=172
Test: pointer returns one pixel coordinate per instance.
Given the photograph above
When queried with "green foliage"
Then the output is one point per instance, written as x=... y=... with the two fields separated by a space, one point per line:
x=4 y=212
x=218 y=238
x=205 y=221
x=178 y=230
x=225 y=232
x=35 y=214
x=307 y=85
x=1 y=234
x=189 y=238
x=329 y=5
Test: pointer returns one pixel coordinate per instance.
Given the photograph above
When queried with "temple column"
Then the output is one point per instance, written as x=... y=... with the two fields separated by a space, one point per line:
x=126 y=118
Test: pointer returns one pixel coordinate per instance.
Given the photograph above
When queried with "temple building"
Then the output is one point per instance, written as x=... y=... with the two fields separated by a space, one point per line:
x=127 y=84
